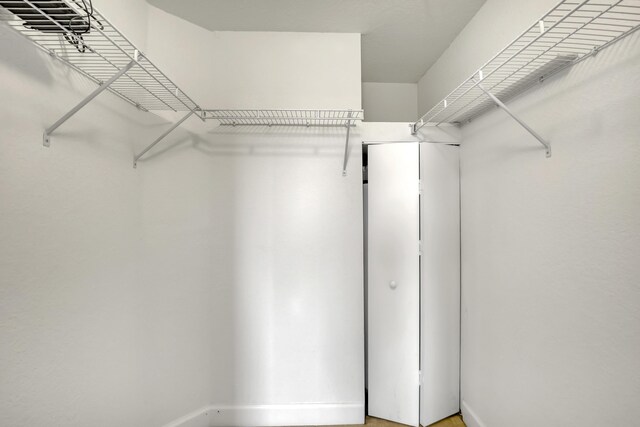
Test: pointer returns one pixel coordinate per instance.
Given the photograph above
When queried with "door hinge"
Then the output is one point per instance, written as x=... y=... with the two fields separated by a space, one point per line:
x=420 y=247
x=420 y=378
x=420 y=187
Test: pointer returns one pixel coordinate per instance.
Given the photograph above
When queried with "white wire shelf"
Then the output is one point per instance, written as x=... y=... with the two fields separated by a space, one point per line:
x=569 y=33
x=271 y=117
x=290 y=117
x=96 y=49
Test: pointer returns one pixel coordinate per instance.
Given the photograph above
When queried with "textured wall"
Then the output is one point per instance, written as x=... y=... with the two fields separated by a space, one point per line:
x=70 y=326
x=551 y=297
x=132 y=297
x=260 y=226
x=264 y=233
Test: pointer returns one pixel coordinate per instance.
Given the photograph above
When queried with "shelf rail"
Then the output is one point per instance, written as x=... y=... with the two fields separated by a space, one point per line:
x=566 y=35
x=290 y=117
x=285 y=117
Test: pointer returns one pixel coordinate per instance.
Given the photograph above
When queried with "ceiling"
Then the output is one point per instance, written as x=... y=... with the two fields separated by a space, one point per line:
x=401 y=39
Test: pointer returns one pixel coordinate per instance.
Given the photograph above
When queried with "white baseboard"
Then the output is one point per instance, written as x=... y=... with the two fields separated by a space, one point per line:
x=470 y=417
x=273 y=415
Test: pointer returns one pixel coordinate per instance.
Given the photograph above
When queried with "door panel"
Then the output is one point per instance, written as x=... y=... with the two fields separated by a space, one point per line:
x=393 y=287
x=440 y=211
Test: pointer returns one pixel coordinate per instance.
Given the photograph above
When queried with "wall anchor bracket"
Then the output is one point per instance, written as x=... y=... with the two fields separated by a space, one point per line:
x=160 y=138
x=501 y=104
x=346 y=147
x=46 y=136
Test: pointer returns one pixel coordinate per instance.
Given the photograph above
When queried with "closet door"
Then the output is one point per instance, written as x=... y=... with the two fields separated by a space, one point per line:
x=393 y=286
x=440 y=177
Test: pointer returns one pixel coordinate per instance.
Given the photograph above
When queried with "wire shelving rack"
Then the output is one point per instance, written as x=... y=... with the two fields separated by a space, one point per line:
x=569 y=33
x=271 y=117
x=91 y=45
x=290 y=117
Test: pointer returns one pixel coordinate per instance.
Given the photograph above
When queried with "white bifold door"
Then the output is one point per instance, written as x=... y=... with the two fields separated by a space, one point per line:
x=393 y=282
x=413 y=282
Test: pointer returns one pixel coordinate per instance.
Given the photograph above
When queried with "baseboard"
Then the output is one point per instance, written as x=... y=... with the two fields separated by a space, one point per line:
x=273 y=415
x=470 y=417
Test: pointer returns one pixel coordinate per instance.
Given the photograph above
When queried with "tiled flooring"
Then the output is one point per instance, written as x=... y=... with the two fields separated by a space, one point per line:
x=449 y=422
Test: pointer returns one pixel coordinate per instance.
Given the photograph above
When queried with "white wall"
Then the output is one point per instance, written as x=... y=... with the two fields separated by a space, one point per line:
x=390 y=102
x=235 y=69
x=258 y=226
x=86 y=340
x=70 y=324
x=205 y=276
x=551 y=303
x=265 y=231
x=130 y=17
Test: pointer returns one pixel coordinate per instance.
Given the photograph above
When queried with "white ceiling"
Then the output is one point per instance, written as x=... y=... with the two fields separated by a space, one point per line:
x=401 y=39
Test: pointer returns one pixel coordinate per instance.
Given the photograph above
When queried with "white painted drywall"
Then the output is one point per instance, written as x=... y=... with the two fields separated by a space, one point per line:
x=390 y=102
x=267 y=233
x=258 y=226
x=214 y=274
x=550 y=294
x=129 y=17
x=400 y=39
x=85 y=341
x=70 y=326
x=227 y=69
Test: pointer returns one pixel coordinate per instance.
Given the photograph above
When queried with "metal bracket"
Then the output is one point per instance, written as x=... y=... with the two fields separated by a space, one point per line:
x=346 y=148
x=500 y=104
x=46 y=136
x=416 y=126
x=167 y=132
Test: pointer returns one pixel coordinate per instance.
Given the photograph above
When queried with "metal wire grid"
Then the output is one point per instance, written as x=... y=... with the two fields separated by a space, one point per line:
x=569 y=33
x=323 y=118
x=98 y=51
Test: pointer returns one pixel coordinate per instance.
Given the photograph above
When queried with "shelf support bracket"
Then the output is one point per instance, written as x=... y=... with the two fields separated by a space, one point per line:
x=46 y=136
x=500 y=104
x=346 y=148
x=160 y=138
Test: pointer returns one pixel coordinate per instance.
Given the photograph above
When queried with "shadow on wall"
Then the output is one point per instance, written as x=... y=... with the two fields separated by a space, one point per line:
x=277 y=141
x=23 y=60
